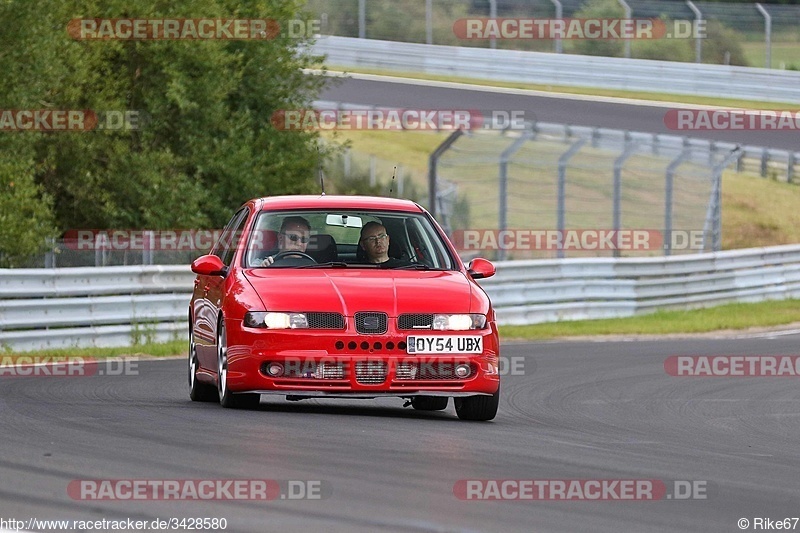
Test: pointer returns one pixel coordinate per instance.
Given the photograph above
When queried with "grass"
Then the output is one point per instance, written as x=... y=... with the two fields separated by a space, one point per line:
x=592 y=91
x=154 y=349
x=736 y=316
x=786 y=53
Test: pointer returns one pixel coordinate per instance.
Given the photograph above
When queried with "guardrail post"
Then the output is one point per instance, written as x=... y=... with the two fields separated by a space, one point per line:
x=433 y=161
x=630 y=148
x=767 y=35
x=670 y=178
x=764 y=161
x=698 y=42
x=562 y=188
x=790 y=168
x=503 y=185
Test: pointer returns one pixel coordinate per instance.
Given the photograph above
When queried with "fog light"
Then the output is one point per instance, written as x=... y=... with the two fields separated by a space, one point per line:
x=275 y=370
x=462 y=371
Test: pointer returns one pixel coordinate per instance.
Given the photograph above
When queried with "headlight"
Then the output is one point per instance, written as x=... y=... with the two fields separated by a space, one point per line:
x=271 y=320
x=458 y=322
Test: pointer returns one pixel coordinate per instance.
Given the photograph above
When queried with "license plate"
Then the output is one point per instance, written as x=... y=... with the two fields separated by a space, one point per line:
x=426 y=344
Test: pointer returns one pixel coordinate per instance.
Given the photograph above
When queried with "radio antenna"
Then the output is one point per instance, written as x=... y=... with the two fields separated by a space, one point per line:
x=391 y=186
x=321 y=174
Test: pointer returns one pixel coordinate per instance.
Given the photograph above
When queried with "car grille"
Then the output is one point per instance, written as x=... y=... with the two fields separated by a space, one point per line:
x=325 y=320
x=371 y=322
x=371 y=372
x=432 y=370
x=415 y=321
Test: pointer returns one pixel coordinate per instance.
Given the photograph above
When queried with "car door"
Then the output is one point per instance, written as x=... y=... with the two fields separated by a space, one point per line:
x=210 y=290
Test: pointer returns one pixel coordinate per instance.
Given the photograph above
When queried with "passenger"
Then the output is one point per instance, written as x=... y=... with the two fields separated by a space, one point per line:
x=375 y=243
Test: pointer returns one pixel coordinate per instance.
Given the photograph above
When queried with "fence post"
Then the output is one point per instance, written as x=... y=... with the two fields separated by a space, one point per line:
x=630 y=148
x=559 y=16
x=562 y=188
x=429 y=21
x=503 y=185
x=493 y=15
x=433 y=161
x=362 y=19
x=715 y=206
x=698 y=42
x=767 y=34
x=50 y=255
x=628 y=15
x=670 y=178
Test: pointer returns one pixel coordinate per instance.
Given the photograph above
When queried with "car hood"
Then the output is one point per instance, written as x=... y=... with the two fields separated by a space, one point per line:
x=351 y=290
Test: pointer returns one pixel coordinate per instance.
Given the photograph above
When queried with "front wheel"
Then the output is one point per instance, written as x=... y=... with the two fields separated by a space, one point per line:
x=479 y=408
x=226 y=397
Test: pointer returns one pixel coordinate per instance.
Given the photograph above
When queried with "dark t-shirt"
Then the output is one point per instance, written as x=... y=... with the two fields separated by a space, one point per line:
x=394 y=263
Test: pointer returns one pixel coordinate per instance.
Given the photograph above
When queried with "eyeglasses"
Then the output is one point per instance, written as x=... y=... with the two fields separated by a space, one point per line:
x=296 y=238
x=375 y=238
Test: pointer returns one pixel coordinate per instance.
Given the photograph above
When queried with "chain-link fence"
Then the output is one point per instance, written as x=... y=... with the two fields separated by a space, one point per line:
x=726 y=33
x=555 y=191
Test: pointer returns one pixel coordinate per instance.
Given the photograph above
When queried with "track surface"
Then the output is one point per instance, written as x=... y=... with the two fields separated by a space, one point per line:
x=584 y=410
x=644 y=118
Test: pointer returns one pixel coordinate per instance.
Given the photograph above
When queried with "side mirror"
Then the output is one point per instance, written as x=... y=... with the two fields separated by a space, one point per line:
x=480 y=268
x=209 y=265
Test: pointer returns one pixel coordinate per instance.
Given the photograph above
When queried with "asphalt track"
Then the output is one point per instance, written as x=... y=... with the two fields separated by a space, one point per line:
x=575 y=410
x=577 y=110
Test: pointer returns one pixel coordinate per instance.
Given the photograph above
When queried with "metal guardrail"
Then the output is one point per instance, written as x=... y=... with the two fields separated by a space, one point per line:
x=530 y=292
x=75 y=307
x=564 y=69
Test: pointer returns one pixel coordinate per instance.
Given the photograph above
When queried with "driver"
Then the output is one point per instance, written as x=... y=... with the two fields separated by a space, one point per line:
x=293 y=237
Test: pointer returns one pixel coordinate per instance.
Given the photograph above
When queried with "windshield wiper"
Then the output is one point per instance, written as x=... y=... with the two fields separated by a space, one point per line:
x=415 y=266
x=330 y=264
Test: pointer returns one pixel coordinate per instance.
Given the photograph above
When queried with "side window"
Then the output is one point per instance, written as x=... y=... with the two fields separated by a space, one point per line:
x=225 y=248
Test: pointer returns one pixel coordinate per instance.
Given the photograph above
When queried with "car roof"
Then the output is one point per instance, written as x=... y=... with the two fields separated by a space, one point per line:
x=338 y=202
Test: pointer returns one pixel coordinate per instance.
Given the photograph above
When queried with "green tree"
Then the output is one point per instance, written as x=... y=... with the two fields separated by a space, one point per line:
x=205 y=142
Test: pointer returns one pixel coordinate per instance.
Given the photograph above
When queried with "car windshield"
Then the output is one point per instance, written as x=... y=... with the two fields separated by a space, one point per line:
x=346 y=239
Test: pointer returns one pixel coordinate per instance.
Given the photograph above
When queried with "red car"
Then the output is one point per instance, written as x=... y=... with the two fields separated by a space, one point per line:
x=342 y=297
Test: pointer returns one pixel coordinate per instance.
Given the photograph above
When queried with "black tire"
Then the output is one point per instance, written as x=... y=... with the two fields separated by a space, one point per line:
x=480 y=408
x=429 y=403
x=226 y=397
x=198 y=392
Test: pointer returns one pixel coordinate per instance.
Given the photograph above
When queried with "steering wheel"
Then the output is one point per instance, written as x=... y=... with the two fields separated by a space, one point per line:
x=292 y=253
